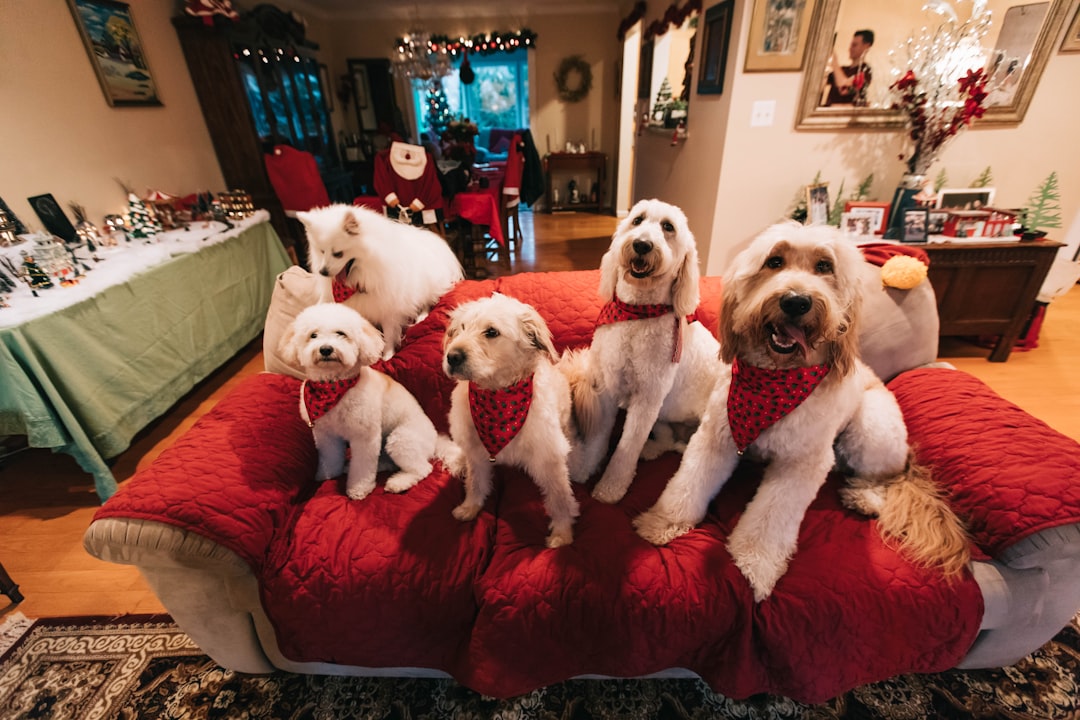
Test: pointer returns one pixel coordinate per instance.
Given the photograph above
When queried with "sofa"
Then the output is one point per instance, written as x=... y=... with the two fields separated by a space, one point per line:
x=266 y=569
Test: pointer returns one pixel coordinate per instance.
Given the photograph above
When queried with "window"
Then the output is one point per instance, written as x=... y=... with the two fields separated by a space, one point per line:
x=497 y=98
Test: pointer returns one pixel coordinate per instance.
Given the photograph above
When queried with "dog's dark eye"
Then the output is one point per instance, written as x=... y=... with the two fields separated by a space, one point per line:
x=314 y=335
x=825 y=267
x=667 y=226
x=339 y=254
x=491 y=333
x=638 y=220
x=775 y=262
x=341 y=333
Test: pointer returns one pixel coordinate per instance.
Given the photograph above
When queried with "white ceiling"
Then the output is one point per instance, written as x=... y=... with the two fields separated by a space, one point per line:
x=423 y=9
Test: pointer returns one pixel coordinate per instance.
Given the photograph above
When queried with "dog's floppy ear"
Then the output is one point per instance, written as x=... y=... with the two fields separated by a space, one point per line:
x=686 y=291
x=369 y=341
x=538 y=333
x=729 y=339
x=609 y=271
x=845 y=347
x=351 y=223
x=289 y=345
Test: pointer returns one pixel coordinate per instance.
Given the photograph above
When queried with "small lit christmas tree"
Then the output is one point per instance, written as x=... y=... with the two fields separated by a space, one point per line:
x=139 y=220
x=438 y=108
x=1043 y=210
x=663 y=100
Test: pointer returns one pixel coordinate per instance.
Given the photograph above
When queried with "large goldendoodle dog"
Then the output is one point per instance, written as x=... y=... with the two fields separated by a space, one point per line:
x=797 y=396
x=645 y=356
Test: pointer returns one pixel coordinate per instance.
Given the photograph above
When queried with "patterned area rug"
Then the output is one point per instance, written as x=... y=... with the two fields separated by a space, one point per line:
x=145 y=667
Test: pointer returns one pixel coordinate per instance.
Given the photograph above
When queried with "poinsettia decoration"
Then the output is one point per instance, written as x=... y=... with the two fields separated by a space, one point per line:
x=943 y=87
x=457 y=140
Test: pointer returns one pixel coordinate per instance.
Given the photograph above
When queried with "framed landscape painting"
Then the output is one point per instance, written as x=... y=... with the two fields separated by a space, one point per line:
x=116 y=52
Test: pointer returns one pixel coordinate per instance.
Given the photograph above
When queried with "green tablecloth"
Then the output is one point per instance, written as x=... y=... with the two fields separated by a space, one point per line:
x=84 y=380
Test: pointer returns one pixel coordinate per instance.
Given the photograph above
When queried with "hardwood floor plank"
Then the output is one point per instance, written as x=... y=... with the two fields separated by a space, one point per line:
x=46 y=501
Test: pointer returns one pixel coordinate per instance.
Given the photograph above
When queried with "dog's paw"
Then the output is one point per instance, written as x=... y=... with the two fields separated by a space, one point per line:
x=612 y=487
x=402 y=481
x=760 y=570
x=466 y=511
x=868 y=500
x=558 y=538
x=654 y=449
x=359 y=491
x=658 y=529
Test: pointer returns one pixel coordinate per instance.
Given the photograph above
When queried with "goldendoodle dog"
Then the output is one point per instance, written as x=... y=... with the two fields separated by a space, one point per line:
x=511 y=405
x=645 y=356
x=347 y=403
x=390 y=272
x=797 y=397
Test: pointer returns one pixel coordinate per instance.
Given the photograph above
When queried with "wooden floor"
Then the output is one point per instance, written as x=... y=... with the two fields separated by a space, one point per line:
x=46 y=502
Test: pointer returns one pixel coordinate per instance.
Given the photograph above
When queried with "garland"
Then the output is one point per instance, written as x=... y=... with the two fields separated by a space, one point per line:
x=488 y=44
x=674 y=16
x=628 y=22
x=573 y=63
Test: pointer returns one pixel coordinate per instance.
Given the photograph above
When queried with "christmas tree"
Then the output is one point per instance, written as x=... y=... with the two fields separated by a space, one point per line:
x=1043 y=210
x=438 y=109
x=139 y=220
x=984 y=179
x=940 y=181
x=663 y=99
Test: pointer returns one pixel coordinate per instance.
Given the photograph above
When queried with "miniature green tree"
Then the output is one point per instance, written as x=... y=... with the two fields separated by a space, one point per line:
x=984 y=179
x=1043 y=210
x=940 y=181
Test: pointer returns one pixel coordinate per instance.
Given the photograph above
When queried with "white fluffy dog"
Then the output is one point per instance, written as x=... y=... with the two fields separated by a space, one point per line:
x=788 y=326
x=390 y=272
x=644 y=356
x=511 y=405
x=347 y=403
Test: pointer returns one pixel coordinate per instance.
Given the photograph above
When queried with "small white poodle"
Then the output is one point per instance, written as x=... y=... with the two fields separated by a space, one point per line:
x=347 y=403
x=796 y=396
x=390 y=272
x=511 y=405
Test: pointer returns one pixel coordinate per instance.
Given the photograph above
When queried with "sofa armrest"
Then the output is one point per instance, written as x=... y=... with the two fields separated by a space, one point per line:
x=235 y=477
x=1009 y=475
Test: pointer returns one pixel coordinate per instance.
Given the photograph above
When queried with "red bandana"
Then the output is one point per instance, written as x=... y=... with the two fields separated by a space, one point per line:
x=758 y=397
x=499 y=414
x=342 y=289
x=617 y=311
x=320 y=396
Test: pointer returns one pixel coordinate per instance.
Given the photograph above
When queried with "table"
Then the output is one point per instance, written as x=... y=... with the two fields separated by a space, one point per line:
x=588 y=171
x=84 y=379
x=988 y=287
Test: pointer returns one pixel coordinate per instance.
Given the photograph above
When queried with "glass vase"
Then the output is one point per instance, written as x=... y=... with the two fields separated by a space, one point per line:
x=903 y=198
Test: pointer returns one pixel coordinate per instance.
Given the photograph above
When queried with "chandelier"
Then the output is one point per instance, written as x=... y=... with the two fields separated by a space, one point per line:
x=417 y=57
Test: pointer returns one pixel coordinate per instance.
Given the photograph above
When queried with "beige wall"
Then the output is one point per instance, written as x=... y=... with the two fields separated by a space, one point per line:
x=61 y=137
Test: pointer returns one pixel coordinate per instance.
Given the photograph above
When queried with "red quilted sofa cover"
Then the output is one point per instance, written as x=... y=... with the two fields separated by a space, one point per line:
x=394 y=580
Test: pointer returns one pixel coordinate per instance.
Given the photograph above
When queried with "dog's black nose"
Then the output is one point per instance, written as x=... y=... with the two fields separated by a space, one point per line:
x=642 y=247
x=326 y=351
x=795 y=304
x=455 y=358
x=324 y=272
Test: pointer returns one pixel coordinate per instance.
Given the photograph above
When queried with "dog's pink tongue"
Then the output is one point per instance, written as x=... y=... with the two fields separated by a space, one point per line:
x=788 y=333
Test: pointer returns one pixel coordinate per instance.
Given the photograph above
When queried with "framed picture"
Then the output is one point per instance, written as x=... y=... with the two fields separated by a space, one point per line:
x=817 y=204
x=52 y=217
x=1071 y=43
x=965 y=198
x=778 y=32
x=363 y=86
x=915 y=223
x=857 y=226
x=109 y=34
x=935 y=224
x=325 y=88
x=878 y=212
x=717 y=38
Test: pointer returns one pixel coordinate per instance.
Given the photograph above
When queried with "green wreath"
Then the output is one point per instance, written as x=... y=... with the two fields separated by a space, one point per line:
x=573 y=64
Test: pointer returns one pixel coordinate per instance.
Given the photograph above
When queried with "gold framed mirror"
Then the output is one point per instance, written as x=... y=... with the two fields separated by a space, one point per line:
x=1024 y=31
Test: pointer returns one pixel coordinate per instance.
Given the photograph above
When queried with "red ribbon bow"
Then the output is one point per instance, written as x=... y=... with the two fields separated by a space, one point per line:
x=758 y=397
x=499 y=414
x=320 y=396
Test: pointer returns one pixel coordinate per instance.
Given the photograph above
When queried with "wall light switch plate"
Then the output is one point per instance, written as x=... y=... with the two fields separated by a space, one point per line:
x=763 y=114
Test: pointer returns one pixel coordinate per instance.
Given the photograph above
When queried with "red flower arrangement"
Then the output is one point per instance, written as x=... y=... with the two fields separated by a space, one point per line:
x=457 y=141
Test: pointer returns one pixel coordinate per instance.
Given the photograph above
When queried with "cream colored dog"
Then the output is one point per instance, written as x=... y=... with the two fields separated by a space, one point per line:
x=511 y=405
x=390 y=272
x=658 y=367
x=789 y=318
x=347 y=403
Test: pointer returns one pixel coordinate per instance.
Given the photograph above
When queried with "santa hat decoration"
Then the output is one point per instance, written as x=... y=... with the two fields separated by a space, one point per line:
x=207 y=9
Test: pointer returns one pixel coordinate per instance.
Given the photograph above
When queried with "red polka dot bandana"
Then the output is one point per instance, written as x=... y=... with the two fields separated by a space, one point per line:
x=320 y=396
x=342 y=289
x=499 y=414
x=617 y=311
x=759 y=397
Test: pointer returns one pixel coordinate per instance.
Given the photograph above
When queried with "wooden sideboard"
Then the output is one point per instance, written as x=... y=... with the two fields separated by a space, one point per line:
x=587 y=169
x=988 y=288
